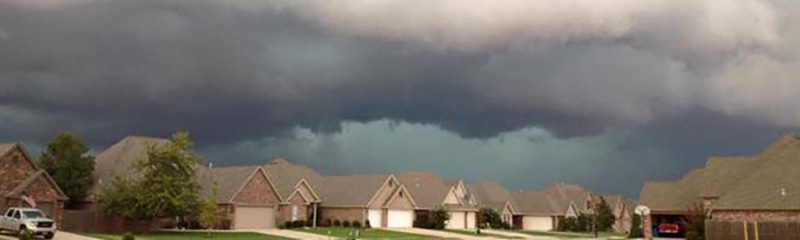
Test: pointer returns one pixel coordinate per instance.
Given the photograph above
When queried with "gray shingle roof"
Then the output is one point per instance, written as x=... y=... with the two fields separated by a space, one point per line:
x=774 y=186
x=563 y=194
x=353 y=191
x=230 y=180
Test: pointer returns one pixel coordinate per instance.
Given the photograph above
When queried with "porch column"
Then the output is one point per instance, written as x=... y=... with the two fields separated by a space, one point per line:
x=315 y=215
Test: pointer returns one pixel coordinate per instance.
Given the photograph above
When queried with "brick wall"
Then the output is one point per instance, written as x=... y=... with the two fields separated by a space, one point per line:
x=14 y=169
x=257 y=192
x=348 y=214
x=285 y=210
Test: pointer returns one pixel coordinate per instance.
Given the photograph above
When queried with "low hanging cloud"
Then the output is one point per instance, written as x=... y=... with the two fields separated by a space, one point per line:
x=477 y=68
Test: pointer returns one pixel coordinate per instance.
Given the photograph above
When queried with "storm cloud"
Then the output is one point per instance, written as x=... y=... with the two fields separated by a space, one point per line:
x=238 y=72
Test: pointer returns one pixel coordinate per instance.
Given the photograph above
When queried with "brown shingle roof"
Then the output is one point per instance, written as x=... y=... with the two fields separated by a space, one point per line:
x=286 y=176
x=352 y=191
x=565 y=194
x=5 y=147
x=118 y=159
x=428 y=190
x=490 y=194
x=536 y=203
x=774 y=186
x=230 y=180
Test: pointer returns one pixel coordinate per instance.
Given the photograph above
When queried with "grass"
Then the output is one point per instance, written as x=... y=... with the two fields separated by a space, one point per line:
x=571 y=234
x=364 y=233
x=483 y=234
x=190 y=235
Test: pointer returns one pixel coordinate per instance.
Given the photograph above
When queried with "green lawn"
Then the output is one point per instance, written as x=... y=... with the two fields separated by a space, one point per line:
x=571 y=234
x=483 y=234
x=191 y=235
x=364 y=233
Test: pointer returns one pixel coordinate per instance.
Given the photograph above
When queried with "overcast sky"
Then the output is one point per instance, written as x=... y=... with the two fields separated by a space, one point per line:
x=607 y=94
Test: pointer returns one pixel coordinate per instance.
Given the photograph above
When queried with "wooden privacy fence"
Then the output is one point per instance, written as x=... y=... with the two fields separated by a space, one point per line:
x=720 y=230
x=94 y=221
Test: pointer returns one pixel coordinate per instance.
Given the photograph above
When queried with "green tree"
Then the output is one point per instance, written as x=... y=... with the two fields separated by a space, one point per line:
x=67 y=161
x=166 y=189
x=439 y=218
x=209 y=214
x=605 y=217
x=489 y=217
x=636 y=227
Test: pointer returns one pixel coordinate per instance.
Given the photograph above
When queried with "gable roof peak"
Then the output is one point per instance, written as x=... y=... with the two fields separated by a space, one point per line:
x=278 y=160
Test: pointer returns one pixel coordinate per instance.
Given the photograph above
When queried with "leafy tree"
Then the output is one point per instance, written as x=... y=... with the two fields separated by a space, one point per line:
x=636 y=227
x=490 y=217
x=696 y=223
x=166 y=189
x=439 y=218
x=605 y=217
x=67 y=161
x=209 y=214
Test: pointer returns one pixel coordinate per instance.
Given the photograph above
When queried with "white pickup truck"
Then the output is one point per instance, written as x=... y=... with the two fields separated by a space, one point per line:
x=28 y=219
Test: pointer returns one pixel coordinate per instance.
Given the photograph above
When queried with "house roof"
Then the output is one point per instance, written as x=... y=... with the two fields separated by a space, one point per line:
x=6 y=147
x=774 y=186
x=565 y=194
x=428 y=190
x=537 y=203
x=763 y=181
x=287 y=176
x=352 y=191
x=118 y=159
x=490 y=194
x=230 y=180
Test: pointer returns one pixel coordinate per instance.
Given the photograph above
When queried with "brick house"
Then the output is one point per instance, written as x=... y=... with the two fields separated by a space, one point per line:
x=620 y=207
x=20 y=175
x=299 y=187
x=493 y=195
x=761 y=188
x=432 y=193
x=379 y=199
x=246 y=195
x=535 y=210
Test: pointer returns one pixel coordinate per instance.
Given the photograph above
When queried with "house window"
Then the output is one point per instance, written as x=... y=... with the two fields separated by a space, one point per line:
x=391 y=184
x=401 y=194
x=588 y=205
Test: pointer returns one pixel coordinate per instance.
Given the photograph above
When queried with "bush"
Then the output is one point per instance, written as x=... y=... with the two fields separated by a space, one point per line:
x=126 y=236
x=346 y=223
x=288 y=224
x=310 y=223
x=299 y=223
x=25 y=235
x=337 y=223
x=356 y=224
x=439 y=218
x=327 y=223
x=367 y=224
x=636 y=227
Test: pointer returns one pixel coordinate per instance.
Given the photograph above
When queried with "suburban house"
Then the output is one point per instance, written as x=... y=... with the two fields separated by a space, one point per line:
x=431 y=193
x=117 y=161
x=535 y=210
x=733 y=191
x=378 y=199
x=299 y=187
x=622 y=213
x=570 y=199
x=246 y=195
x=20 y=177
x=493 y=195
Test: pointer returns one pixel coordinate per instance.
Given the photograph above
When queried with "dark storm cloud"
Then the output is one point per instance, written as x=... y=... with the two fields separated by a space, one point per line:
x=666 y=80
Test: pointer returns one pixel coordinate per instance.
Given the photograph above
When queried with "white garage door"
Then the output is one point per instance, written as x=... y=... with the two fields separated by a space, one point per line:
x=537 y=223
x=375 y=217
x=471 y=220
x=254 y=217
x=456 y=220
x=401 y=218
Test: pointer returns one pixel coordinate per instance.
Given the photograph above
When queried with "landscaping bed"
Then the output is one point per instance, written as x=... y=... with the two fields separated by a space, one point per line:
x=191 y=235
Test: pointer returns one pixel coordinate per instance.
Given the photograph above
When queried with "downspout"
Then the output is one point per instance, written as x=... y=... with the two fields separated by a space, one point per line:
x=315 y=214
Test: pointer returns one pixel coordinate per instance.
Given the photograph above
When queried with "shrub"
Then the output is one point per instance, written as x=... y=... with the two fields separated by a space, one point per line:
x=327 y=223
x=299 y=223
x=128 y=236
x=288 y=224
x=356 y=224
x=346 y=223
x=636 y=227
x=367 y=224
x=25 y=235
x=439 y=218
x=337 y=223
